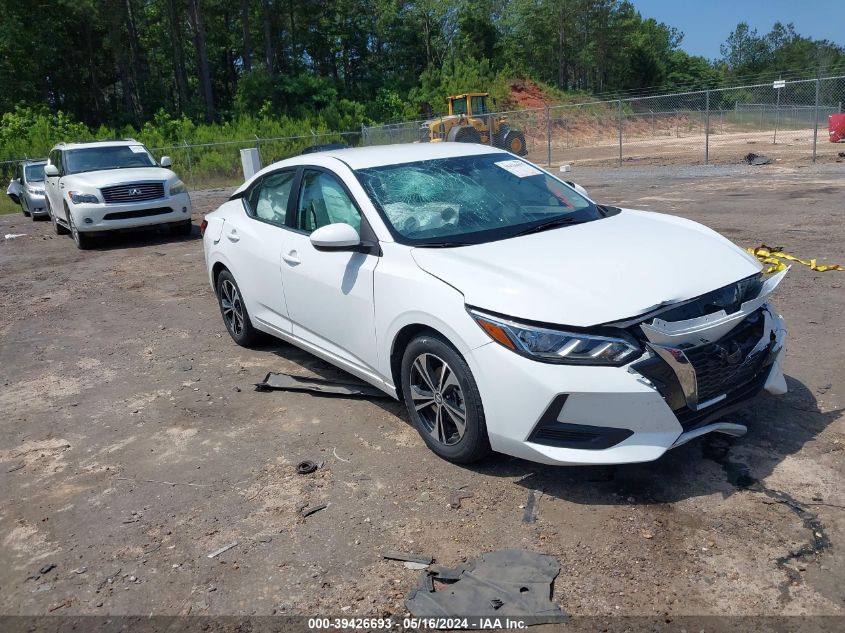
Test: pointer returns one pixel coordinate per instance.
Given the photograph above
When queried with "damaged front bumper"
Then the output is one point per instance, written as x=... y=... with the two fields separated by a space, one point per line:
x=691 y=375
x=702 y=364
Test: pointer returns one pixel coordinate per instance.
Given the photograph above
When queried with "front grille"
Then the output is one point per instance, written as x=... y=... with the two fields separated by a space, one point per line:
x=723 y=366
x=134 y=192
x=141 y=213
x=715 y=375
x=691 y=419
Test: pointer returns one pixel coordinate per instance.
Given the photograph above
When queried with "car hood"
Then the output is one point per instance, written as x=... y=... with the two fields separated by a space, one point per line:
x=109 y=177
x=592 y=273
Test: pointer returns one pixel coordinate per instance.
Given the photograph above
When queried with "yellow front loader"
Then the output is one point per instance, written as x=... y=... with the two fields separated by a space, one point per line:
x=470 y=121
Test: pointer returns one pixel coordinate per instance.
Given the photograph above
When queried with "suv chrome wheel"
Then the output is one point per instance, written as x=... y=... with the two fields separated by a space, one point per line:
x=83 y=240
x=438 y=399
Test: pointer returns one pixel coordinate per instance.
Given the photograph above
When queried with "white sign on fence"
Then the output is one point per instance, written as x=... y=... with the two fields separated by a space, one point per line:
x=251 y=162
x=780 y=83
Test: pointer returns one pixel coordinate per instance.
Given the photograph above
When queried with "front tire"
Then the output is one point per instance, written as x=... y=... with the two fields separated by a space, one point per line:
x=83 y=242
x=464 y=134
x=182 y=228
x=443 y=400
x=234 y=313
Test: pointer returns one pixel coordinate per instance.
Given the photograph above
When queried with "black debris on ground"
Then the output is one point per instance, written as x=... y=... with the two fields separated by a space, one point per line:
x=505 y=583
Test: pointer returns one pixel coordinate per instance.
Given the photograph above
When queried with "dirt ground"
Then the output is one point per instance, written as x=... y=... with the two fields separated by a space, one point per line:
x=794 y=147
x=133 y=444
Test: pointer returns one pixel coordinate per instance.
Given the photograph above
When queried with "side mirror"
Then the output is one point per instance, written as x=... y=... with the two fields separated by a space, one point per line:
x=579 y=189
x=51 y=171
x=335 y=237
x=165 y=161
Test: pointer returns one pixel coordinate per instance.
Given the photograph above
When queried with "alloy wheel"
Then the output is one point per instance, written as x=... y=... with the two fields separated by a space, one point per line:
x=438 y=399
x=232 y=306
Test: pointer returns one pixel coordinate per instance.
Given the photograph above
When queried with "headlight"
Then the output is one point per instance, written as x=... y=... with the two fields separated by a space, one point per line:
x=35 y=190
x=178 y=187
x=77 y=197
x=558 y=346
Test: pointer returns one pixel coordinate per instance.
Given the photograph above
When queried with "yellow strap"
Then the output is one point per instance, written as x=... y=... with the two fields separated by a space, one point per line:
x=774 y=255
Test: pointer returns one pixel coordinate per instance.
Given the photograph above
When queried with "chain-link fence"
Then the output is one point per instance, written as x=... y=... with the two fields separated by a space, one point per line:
x=204 y=165
x=785 y=120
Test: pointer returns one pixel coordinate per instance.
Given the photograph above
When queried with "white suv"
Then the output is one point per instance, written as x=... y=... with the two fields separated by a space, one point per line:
x=104 y=186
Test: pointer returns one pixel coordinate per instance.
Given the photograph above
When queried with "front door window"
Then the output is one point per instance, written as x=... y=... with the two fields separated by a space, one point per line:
x=322 y=201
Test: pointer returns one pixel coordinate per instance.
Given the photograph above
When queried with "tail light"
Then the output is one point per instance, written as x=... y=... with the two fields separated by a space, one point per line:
x=203 y=225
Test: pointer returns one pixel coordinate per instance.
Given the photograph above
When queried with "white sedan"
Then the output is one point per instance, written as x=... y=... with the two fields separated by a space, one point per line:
x=507 y=310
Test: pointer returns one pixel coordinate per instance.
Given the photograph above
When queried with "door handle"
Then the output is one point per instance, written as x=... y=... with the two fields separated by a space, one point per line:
x=233 y=235
x=291 y=258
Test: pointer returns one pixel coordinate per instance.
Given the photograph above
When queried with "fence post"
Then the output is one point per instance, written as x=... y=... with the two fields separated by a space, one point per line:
x=777 y=119
x=190 y=164
x=707 y=128
x=258 y=148
x=620 y=131
x=548 y=138
x=816 y=121
x=490 y=130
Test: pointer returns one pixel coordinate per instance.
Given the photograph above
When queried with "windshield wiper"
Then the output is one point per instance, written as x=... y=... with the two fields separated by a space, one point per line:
x=439 y=244
x=549 y=224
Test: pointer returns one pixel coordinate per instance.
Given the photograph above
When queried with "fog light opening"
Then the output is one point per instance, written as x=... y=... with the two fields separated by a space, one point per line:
x=89 y=221
x=184 y=209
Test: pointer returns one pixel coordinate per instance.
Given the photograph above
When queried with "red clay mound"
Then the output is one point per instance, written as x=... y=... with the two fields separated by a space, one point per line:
x=524 y=93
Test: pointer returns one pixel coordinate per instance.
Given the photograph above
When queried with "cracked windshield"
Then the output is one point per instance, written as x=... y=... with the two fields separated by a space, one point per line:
x=471 y=199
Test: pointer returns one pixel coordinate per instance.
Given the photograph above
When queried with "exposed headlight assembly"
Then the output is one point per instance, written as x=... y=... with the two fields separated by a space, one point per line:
x=78 y=197
x=178 y=187
x=558 y=346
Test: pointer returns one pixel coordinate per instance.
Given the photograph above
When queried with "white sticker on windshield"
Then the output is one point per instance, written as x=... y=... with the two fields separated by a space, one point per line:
x=518 y=168
x=138 y=149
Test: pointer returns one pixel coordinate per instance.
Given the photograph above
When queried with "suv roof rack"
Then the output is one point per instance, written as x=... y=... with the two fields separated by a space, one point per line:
x=103 y=140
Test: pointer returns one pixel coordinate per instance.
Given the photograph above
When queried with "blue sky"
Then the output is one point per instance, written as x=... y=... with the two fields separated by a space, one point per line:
x=707 y=23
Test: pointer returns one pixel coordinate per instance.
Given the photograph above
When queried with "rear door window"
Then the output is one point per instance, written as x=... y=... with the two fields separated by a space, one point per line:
x=268 y=200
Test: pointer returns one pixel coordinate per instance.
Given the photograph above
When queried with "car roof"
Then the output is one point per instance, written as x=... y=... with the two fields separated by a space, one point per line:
x=110 y=143
x=378 y=156
x=381 y=155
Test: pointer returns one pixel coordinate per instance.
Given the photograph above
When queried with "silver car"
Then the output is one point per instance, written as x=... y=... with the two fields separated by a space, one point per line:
x=27 y=188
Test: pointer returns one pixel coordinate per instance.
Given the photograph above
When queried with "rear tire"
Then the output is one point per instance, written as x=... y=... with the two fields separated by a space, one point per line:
x=443 y=401
x=234 y=313
x=58 y=228
x=514 y=142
